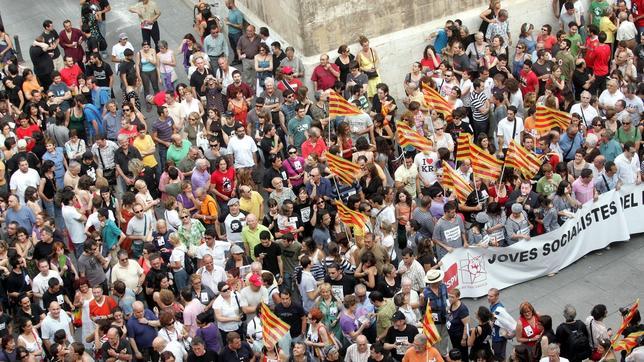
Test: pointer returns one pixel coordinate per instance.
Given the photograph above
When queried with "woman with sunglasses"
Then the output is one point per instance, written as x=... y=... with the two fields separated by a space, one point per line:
x=294 y=166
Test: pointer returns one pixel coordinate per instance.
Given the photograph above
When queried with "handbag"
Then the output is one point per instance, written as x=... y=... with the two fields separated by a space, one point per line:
x=372 y=73
x=242 y=326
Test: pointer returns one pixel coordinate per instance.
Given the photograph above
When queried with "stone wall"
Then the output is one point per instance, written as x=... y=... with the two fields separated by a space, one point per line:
x=399 y=47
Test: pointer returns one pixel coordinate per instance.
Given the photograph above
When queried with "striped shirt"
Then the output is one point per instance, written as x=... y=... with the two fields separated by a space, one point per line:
x=164 y=129
x=477 y=100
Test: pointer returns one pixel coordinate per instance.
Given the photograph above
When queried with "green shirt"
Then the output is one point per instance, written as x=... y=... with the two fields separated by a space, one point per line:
x=548 y=187
x=297 y=129
x=623 y=136
x=597 y=8
x=251 y=237
x=177 y=154
x=110 y=233
x=575 y=40
x=383 y=316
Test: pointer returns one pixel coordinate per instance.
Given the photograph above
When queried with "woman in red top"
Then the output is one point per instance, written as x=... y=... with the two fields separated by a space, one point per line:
x=546 y=37
x=239 y=107
x=344 y=141
x=26 y=131
x=128 y=129
x=528 y=330
x=430 y=60
x=223 y=182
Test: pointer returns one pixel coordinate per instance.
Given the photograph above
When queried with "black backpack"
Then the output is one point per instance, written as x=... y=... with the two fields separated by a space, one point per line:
x=578 y=342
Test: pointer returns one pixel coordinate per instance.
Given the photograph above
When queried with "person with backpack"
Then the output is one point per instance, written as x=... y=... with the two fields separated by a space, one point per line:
x=573 y=336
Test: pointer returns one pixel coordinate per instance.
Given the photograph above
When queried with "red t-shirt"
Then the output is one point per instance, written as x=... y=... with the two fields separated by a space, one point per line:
x=548 y=41
x=429 y=63
x=28 y=133
x=294 y=83
x=101 y=310
x=638 y=9
x=601 y=59
x=591 y=44
x=529 y=81
x=224 y=181
x=70 y=75
x=323 y=78
x=308 y=148
x=132 y=133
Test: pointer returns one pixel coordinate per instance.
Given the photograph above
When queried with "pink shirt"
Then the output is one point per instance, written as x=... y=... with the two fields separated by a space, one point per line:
x=583 y=193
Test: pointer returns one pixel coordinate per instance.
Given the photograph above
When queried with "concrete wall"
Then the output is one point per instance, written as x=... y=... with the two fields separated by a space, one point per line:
x=397 y=49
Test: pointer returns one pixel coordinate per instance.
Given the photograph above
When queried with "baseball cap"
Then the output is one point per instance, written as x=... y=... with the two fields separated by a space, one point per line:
x=122 y=36
x=255 y=280
x=287 y=70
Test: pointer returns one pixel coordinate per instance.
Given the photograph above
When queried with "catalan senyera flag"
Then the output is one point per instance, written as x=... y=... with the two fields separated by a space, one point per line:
x=628 y=343
x=273 y=328
x=546 y=119
x=627 y=319
x=429 y=328
x=463 y=146
x=433 y=100
x=520 y=158
x=455 y=182
x=485 y=165
x=346 y=170
x=350 y=217
x=413 y=139
x=338 y=106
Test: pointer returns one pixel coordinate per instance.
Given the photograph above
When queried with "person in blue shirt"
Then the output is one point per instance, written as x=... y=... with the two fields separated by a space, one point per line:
x=93 y=118
x=235 y=22
x=111 y=234
x=141 y=330
x=440 y=37
x=570 y=142
x=498 y=341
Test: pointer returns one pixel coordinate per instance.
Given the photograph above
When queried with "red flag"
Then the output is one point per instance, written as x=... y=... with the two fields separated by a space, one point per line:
x=346 y=170
x=485 y=165
x=628 y=343
x=429 y=328
x=520 y=158
x=455 y=182
x=463 y=146
x=627 y=319
x=350 y=217
x=546 y=119
x=338 y=106
x=433 y=100
x=413 y=139
x=273 y=328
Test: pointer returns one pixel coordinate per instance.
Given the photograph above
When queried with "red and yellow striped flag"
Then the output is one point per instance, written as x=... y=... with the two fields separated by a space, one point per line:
x=463 y=146
x=346 y=170
x=350 y=217
x=414 y=139
x=546 y=119
x=433 y=100
x=455 y=182
x=485 y=165
x=522 y=159
x=628 y=343
x=338 y=106
x=627 y=319
x=273 y=328
x=429 y=328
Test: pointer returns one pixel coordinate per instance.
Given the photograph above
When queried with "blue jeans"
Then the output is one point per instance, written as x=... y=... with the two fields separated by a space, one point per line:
x=78 y=250
x=180 y=279
x=233 y=39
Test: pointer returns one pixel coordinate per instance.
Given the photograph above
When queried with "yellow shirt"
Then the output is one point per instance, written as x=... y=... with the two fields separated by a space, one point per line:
x=146 y=11
x=252 y=205
x=145 y=145
x=609 y=28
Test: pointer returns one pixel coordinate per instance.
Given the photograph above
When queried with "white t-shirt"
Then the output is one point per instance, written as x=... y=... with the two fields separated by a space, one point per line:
x=218 y=251
x=254 y=298
x=608 y=99
x=587 y=114
x=177 y=350
x=178 y=254
x=505 y=128
x=92 y=220
x=307 y=285
x=75 y=227
x=234 y=225
x=427 y=166
x=242 y=151
x=627 y=170
x=41 y=283
x=20 y=181
x=50 y=326
x=229 y=309
x=129 y=275
x=117 y=51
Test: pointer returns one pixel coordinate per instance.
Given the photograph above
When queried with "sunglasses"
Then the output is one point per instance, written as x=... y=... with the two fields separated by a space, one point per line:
x=185 y=217
x=138 y=211
x=213 y=146
x=292 y=153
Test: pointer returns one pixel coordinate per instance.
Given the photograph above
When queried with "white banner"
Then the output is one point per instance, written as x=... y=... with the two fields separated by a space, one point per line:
x=614 y=217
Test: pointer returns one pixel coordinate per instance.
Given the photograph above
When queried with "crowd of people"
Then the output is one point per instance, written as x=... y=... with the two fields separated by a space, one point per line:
x=147 y=219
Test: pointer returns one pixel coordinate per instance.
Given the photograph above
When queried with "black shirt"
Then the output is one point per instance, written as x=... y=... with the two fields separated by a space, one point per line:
x=48 y=297
x=197 y=80
x=89 y=170
x=394 y=334
x=243 y=354
x=101 y=73
x=50 y=38
x=36 y=312
x=121 y=159
x=127 y=67
x=123 y=348
x=347 y=282
x=16 y=283
x=209 y=356
x=43 y=65
x=578 y=80
x=291 y=315
x=266 y=144
x=272 y=252
x=42 y=250
x=271 y=173
x=5 y=319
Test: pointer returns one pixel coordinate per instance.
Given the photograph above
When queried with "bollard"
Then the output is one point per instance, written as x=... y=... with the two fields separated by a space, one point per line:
x=16 y=47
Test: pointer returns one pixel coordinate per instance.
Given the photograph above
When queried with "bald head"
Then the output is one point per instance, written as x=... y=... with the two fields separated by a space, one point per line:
x=159 y=344
x=138 y=306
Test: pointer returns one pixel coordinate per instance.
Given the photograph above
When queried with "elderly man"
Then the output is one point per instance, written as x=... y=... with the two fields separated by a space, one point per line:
x=421 y=352
x=250 y=201
x=187 y=164
x=359 y=351
x=129 y=272
x=250 y=234
x=436 y=295
x=207 y=211
x=325 y=74
x=247 y=47
x=294 y=62
x=584 y=109
x=234 y=222
x=553 y=354
x=141 y=331
x=160 y=345
x=607 y=179
x=314 y=143
x=178 y=149
x=318 y=185
x=211 y=274
x=200 y=174
x=116 y=348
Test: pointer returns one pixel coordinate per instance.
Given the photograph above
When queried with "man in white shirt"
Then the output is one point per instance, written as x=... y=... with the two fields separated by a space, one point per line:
x=23 y=178
x=215 y=248
x=161 y=345
x=54 y=321
x=40 y=282
x=129 y=272
x=118 y=49
x=553 y=354
x=584 y=109
x=243 y=149
x=509 y=128
x=426 y=163
x=74 y=222
x=628 y=165
x=359 y=351
x=211 y=274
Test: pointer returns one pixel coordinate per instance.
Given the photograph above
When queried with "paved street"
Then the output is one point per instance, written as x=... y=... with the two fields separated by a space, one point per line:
x=610 y=278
